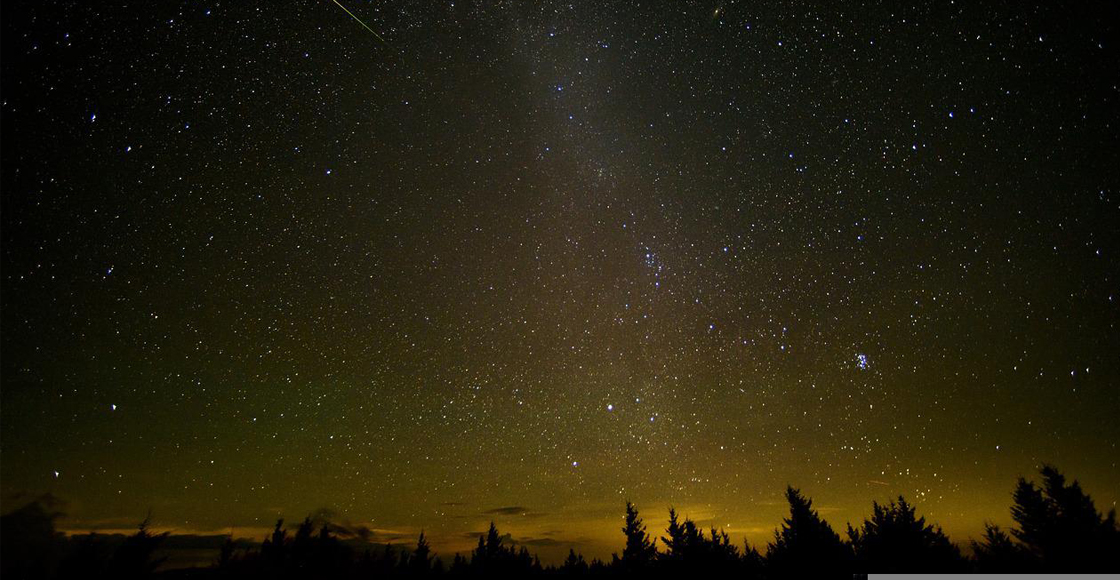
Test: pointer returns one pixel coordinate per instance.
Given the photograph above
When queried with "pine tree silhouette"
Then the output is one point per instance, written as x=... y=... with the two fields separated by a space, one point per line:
x=134 y=559
x=1061 y=528
x=753 y=563
x=225 y=554
x=675 y=542
x=895 y=540
x=299 y=552
x=419 y=563
x=459 y=566
x=997 y=553
x=640 y=552
x=722 y=556
x=493 y=543
x=689 y=551
x=806 y=544
x=492 y=558
x=329 y=557
x=30 y=546
x=573 y=565
x=274 y=547
x=693 y=541
x=1057 y=528
x=478 y=557
x=388 y=562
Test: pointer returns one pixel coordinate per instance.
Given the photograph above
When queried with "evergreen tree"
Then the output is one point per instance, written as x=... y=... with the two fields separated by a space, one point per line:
x=493 y=543
x=1060 y=526
x=459 y=566
x=419 y=563
x=30 y=546
x=806 y=544
x=753 y=563
x=388 y=560
x=479 y=554
x=272 y=550
x=675 y=542
x=997 y=553
x=573 y=564
x=640 y=551
x=329 y=557
x=723 y=555
x=302 y=546
x=895 y=540
x=492 y=558
x=134 y=558
x=225 y=555
x=523 y=561
x=693 y=540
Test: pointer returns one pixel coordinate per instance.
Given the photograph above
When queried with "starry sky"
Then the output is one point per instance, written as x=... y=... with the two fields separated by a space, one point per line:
x=523 y=261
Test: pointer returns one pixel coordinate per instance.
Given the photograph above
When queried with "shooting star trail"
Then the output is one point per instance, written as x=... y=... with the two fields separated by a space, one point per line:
x=374 y=32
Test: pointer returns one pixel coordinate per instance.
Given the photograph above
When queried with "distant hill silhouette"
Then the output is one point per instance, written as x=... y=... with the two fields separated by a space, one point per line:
x=1057 y=529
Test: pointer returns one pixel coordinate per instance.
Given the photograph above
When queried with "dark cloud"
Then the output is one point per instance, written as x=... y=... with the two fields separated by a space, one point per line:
x=543 y=542
x=515 y=510
x=506 y=538
x=344 y=528
x=47 y=503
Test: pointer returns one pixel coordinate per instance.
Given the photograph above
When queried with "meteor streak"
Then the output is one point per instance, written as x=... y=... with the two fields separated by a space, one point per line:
x=362 y=23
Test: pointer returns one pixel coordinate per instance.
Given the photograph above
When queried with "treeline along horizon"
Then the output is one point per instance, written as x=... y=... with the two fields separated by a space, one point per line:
x=1057 y=528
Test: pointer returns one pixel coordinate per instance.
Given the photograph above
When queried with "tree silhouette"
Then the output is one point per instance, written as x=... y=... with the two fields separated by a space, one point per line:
x=492 y=558
x=459 y=566
x=640 y=551
x=688 y=550
x=273 y=547
x=753 y=563
x=478 y=556
x=573 y=564
x=1057 y=528
x=419 y=563
x=806 y=544
x=225 y=554
x=328 y=555
x=302 y=545
x=692 y=541
x=674 y=543
x=723 y=556
x=387 y=563
x=1060 y=526
x=134 y=558
x=488 y=555
x=895 y=540
x=997 y=553
x=29 y=544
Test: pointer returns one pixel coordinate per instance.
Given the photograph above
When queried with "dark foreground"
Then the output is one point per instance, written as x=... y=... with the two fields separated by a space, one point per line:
x=1057 y=529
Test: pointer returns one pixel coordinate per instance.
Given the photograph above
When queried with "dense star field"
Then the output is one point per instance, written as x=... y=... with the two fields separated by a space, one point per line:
x=524 y=261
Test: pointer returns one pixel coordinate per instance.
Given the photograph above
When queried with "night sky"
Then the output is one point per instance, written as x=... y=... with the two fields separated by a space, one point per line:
x=523 y=261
